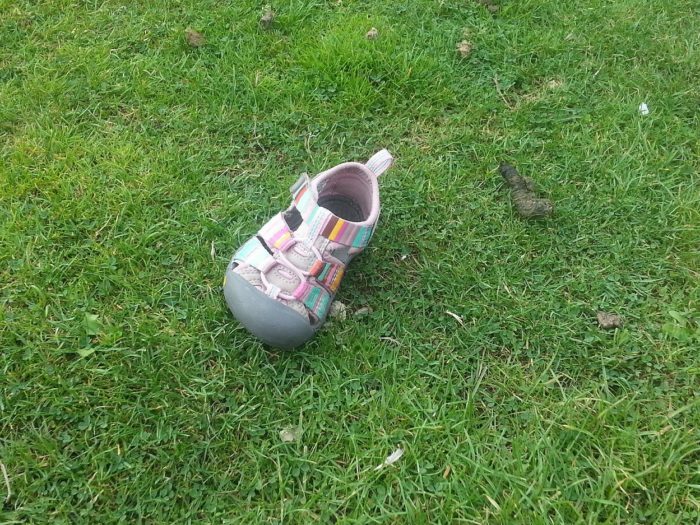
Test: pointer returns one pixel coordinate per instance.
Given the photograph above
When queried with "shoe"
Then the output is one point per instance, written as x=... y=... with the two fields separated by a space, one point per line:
x=281 y=282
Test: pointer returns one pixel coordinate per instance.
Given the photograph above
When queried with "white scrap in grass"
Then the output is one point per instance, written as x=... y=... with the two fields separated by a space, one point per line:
x=290 y=434
x=391 y=458
x=213 y=251
x=643 y=109
x=458 y=318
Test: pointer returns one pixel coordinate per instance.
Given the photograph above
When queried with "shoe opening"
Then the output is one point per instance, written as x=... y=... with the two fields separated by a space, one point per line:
x=347 y=193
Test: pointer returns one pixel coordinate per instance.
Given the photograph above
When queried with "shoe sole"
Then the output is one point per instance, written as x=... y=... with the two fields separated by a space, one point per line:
x=267 y=319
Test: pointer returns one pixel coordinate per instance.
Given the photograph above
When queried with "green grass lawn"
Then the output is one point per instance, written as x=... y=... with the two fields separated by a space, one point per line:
x=128 y=393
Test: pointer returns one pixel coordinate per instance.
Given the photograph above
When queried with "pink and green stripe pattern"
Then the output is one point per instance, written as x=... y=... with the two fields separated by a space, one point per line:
x=314 y=298
x=328 y=274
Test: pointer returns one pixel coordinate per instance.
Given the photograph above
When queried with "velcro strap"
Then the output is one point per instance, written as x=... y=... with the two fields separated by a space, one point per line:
x=255 y=254
x=276 y=232
x=314 y=216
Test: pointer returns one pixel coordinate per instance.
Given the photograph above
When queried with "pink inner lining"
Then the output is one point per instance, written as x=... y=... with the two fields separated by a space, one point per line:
x=354 y=181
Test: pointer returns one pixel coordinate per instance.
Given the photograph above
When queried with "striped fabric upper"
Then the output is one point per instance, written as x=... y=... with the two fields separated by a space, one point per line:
x=254 y=254
x=316 y=271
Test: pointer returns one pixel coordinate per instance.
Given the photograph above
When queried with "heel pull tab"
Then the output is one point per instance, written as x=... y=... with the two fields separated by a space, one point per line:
x=380 y=162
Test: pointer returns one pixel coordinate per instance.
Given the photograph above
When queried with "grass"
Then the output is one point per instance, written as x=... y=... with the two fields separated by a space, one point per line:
x=129 y=394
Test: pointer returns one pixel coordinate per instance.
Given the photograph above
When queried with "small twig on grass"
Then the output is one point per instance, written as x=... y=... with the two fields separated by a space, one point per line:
x=457 y=318
x=7 y=481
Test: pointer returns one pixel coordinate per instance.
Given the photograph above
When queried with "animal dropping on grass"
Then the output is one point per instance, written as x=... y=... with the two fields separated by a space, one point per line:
x=522 y=189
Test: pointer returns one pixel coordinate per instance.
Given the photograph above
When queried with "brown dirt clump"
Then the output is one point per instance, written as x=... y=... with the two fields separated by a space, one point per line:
x=194 y=38
x=523 y=191
x=609 y=321
x=490 y=5
x=464 y=48
x=267 y=18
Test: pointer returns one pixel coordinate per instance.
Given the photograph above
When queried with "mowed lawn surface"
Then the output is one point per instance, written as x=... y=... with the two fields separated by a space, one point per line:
x=132 y=164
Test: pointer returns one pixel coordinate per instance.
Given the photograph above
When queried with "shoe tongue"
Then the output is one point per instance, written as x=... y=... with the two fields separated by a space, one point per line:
x=301 y=256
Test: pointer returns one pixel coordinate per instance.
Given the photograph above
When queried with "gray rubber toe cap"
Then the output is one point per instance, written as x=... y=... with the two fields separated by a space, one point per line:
x=267 y=319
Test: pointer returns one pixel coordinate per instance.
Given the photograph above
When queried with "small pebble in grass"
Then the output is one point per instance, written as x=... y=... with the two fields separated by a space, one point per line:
x=464 y=48
x=194 y=38
x=290 y=434
x=372 y=34
x=364 y=311
x=267 y=18
x=554 y=83
x=609 y=321
x=338 y=311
